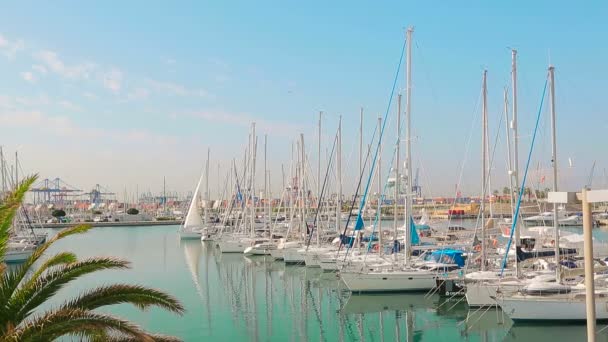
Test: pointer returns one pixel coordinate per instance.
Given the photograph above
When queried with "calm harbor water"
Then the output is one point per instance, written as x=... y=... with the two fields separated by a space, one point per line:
x=232 y=297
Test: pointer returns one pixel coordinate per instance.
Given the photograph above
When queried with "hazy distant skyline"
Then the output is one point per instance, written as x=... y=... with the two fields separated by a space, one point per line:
x=124 y=94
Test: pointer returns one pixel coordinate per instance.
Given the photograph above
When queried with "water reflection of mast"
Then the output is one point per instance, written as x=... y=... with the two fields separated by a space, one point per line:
x=208 y=298
x=304 y=309
x=409 y=324
x=317 y=310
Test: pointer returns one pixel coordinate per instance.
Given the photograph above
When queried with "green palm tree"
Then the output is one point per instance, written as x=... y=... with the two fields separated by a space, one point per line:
x=23 y=289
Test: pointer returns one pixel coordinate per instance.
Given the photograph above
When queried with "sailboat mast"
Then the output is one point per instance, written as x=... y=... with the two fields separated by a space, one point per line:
x=554 y=160
x=303 y=188
x=397 y=176
x=254 y=147
x=408 y=148
x=515 y=149
x=16 y=169
x=379 y=170
x=339 y=174
x=266 y=197
x=319 y=178
x=484 y=120
x=361 y=142
x=206 y=202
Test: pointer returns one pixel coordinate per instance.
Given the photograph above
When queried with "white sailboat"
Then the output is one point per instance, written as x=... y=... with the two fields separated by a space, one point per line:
x=193 y=224
x=407 y=277
x=553 y=301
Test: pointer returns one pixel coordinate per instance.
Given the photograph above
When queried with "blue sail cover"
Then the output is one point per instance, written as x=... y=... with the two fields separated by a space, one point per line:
x=413 y=233
x=359 y=224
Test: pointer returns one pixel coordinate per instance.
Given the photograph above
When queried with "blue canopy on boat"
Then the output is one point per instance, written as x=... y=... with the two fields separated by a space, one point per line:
x=448 y=256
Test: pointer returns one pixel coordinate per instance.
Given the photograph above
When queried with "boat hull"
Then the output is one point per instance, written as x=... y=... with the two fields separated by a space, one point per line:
x=17 y=256
x=293 y=257
x=233 y=246
x=186 y=235
x=388 y=282
x=277 y=254
x=525 y=308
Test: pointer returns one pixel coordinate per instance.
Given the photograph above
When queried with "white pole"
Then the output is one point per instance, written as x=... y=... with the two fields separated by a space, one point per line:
x=397 y=174
x=483 y=170
x=408 y=148
x=206 y=203
x=361 y=142
x=515 y=150
x=319 y=180
x=339 y=171
x=379 y=170
x=554 y=160
x=589 y=278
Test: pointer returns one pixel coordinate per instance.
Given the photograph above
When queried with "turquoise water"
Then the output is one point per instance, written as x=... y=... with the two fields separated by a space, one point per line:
x=231 y=297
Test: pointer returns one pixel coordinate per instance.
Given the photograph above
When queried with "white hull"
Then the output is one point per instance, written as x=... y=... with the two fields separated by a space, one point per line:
x=16 y=256
x=190 y=235
x=277 y=254
x=293 y=257
x=398 y=281
x=312 y=260
x=233 y=246
x=481 y=294
x=255 y=250
x=551 y=308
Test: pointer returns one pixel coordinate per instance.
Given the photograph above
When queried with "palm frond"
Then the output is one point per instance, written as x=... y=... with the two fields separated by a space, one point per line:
x=58 y=259
x=139 y=296
x=11 y=281
x=28 y=297
x=123 y=338
x=78 y=229
x=8 y=210
x=55 y=324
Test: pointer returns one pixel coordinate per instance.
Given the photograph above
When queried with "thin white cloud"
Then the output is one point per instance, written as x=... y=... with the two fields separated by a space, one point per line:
x=280 y=128
x=112 y=80
x=170 y=88
x=70 y=106
x=39 y=69
x=10 y=48
x=170 y=61
x=89 y=95
x=28 y=76
x=139 y=94
x=77 y=71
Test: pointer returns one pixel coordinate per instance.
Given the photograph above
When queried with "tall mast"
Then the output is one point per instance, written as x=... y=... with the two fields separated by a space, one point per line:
x=303 y=182
x=554 y=160
x=164 y=195
x=484 y=146
x=361 y=142
x=254 y=147
x=397 y=176
x=319 y=178
x=379 y=170
x=509 y=160
x=16 y=169
x=510 y=168
x=339 y=175
x=515 y=149
x=206 y=203
x=408 y=147
x=266 y=197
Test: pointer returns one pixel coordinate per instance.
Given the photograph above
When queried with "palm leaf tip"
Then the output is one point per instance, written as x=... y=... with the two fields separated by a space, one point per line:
x=57 y=323
x=139 y=296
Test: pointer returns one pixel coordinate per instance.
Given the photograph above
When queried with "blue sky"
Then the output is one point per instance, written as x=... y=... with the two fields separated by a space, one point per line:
x=124 y=93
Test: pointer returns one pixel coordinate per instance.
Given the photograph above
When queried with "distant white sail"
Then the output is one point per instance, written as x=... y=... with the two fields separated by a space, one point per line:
x=194 y=218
